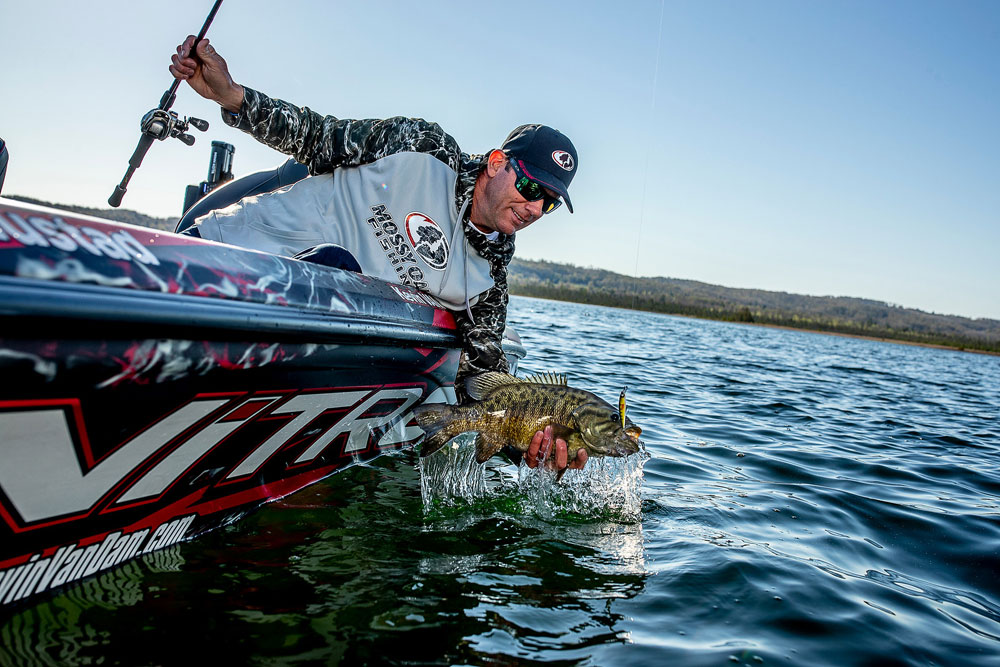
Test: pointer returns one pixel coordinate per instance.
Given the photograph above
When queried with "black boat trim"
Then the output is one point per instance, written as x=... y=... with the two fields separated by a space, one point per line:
x=60 y=301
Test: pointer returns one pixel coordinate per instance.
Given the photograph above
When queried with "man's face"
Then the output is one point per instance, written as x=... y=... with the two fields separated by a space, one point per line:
x=502 y=208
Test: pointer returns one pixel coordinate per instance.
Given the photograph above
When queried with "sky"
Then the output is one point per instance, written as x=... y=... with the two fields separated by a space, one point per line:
x=847 y=148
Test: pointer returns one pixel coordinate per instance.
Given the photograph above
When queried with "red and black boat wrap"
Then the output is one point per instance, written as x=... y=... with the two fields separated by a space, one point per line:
x=154 y=386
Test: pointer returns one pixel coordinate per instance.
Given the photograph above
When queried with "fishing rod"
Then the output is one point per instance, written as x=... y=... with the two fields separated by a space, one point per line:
x=161 y=123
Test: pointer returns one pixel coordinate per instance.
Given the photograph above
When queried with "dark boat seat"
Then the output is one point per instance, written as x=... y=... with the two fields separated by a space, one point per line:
x=256 y=183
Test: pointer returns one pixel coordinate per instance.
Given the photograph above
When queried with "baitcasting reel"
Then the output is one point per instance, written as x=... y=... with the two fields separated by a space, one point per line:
x=160 y=124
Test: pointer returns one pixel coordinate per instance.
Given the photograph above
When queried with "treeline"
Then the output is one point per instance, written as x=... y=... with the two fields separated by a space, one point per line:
x=844 y=315
x=117 y=214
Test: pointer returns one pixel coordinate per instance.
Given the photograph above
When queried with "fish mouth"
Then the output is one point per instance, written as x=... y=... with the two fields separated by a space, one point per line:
x=628 y=443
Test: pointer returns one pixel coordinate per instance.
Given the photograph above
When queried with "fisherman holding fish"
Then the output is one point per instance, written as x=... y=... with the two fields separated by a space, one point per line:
x=399 y=200
x=507 y=411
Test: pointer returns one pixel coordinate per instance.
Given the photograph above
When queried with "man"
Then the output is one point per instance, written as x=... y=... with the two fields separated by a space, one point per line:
x=402 y=198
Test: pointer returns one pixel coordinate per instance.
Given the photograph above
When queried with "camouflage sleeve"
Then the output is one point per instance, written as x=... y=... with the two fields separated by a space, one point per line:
x=482 y=348
x=324 y=143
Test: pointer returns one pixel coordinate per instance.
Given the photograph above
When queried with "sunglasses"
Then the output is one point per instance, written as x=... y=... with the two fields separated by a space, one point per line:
x=532 y=190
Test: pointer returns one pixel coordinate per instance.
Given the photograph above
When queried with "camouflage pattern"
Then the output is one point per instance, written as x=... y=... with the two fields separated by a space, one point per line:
x=324 y=143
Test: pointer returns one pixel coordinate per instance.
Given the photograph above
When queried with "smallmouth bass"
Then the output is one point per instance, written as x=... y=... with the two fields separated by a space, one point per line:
x=509 y=411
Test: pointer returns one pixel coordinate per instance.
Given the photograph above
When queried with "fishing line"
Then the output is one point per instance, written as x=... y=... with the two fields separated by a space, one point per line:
x=645 y=178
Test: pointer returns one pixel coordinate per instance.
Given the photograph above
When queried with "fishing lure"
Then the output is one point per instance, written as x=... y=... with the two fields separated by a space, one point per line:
x=621 y=404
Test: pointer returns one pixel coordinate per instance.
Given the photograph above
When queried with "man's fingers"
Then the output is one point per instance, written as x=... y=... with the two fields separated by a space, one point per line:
x=539 y=448
x=204 y=48
x=180 y=72
x=546 y=448
x=561 y=455
x=554 y=452
x=187 y=52
x=180 y=68
x=183 y=64
x=531 y=456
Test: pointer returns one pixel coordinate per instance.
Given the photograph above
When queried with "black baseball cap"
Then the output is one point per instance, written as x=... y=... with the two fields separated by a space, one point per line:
x=546 y=155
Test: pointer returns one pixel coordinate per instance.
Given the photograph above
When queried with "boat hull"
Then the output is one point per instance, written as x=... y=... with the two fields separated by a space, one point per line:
x=156 y=386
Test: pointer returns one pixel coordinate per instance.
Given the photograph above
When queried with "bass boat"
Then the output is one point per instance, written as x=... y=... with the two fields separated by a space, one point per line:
x=156 y=386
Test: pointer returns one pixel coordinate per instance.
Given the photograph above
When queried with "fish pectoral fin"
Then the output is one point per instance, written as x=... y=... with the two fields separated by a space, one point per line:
x=487 y=446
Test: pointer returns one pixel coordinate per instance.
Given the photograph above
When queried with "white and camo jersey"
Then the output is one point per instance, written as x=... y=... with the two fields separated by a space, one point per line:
x=347 y=151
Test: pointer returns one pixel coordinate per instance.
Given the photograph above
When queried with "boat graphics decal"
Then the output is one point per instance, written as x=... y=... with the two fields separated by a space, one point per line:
x=48 y=440
x=77 y=560
x=46 y=244
x=37 y=230
x=175 y=478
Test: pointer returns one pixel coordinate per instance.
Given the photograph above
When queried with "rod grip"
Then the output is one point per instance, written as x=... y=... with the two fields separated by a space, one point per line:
x=115 y=200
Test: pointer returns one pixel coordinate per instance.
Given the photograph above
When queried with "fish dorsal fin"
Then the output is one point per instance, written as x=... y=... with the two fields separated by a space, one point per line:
x=478 y=386
x=548 y=378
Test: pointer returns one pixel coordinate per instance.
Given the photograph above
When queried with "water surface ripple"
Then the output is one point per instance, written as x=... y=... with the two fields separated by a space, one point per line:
x=807 y=500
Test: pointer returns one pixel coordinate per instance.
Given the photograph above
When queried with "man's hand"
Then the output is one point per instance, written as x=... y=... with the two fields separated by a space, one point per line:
x=541 y=451
x=208 y=75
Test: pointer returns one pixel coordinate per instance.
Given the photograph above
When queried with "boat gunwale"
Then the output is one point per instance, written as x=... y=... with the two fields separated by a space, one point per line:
x=48 y=301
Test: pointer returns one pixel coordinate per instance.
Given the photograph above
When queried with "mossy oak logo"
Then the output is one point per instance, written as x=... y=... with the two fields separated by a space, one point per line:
x=563 y=159
x=428 y=240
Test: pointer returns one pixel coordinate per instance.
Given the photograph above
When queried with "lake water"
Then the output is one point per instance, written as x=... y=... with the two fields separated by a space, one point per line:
x=806 y=500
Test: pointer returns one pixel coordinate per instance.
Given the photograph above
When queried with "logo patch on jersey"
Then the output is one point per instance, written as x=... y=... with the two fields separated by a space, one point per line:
x=563 y=159
x=428 y=240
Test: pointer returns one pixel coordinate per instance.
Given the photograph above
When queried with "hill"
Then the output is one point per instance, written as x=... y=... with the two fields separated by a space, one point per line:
x=834 y=314
x=117 y=214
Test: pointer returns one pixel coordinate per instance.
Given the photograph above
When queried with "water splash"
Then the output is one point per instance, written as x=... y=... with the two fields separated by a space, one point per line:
x=452 y=476
x=607 y=488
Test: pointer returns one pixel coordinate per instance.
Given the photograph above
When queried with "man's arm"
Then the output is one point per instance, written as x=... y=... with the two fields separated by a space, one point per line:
x=322 y=143
x=482 y=337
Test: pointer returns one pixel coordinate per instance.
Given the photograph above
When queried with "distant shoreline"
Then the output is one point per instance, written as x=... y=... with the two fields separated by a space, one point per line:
x=862 y=337
x=877 y=339
x=839 y=315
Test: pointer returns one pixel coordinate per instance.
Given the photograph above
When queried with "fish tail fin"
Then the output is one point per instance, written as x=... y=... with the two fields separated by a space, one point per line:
x=434 y=419
x=487 y=446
